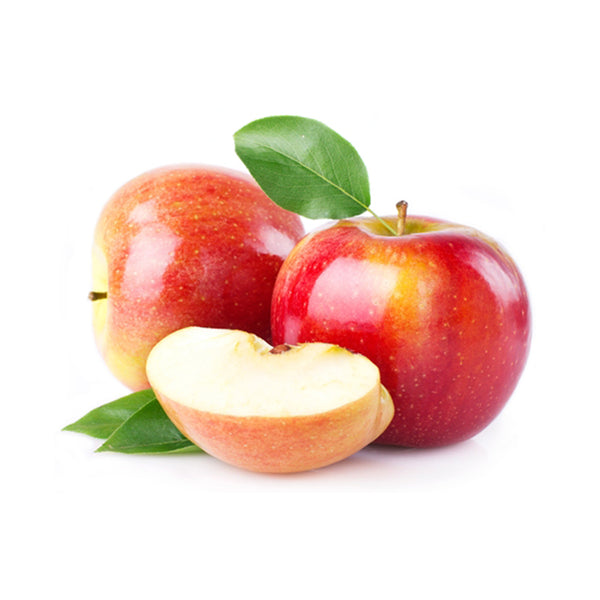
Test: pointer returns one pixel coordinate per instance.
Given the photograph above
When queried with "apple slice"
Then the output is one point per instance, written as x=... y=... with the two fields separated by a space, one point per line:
x=272 y=410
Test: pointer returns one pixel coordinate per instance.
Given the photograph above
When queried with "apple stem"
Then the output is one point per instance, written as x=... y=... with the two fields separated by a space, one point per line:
x=401 y=208
x=97 y=296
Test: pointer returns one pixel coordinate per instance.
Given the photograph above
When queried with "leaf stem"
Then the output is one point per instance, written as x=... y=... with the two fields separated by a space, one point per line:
x=384 y=223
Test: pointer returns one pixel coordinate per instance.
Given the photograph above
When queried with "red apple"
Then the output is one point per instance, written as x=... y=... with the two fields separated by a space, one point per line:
x=180 y=246
x=440 y=308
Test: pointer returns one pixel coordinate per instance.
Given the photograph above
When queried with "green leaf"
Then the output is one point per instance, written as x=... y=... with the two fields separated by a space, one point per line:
x=305 y=167
x=148 y=430
x=133 y=424
x=104 y=420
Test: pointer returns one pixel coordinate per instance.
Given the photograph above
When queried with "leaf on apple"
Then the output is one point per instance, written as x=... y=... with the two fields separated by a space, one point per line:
x=305 y=167
x=134 y=424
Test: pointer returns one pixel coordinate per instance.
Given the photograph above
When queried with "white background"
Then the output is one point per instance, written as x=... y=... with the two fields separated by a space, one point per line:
x=486 y=113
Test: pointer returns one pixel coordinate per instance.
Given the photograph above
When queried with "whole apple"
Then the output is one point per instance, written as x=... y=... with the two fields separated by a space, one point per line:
x=180 y=246
x=440 y=308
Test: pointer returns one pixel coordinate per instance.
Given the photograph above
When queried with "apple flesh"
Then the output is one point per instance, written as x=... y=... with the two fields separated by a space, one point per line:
x=441 y=309
x=274 y=410
x=179 y=246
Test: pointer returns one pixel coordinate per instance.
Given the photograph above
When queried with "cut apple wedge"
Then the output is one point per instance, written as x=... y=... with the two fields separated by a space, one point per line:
x=265 y=409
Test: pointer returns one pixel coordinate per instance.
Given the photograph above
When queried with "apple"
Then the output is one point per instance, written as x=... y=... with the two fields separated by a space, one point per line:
x=273 y=410
x=440 y=308
x=184 y=245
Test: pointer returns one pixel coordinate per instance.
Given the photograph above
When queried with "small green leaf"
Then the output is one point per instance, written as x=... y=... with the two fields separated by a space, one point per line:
x=305 y=167
x=104 y=420
x=148 y=430
x=133 y=424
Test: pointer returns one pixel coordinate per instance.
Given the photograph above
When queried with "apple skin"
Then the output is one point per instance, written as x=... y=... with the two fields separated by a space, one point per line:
x=442 y=310
x=284 y=444
x=184 y=245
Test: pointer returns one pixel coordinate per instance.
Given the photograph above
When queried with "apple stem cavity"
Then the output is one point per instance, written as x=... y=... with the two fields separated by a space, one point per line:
x=401 y=207
x=93 y=296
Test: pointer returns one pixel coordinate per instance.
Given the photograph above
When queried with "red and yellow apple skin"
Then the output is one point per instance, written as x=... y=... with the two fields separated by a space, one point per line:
x=179 y=246
x=287 y=444
x=442 y=310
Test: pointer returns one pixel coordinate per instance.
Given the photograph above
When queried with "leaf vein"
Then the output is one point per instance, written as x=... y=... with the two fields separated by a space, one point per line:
x=314 y=172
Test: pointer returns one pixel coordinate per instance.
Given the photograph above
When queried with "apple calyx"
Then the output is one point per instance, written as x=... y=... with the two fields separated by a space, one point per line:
x=93 y=296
